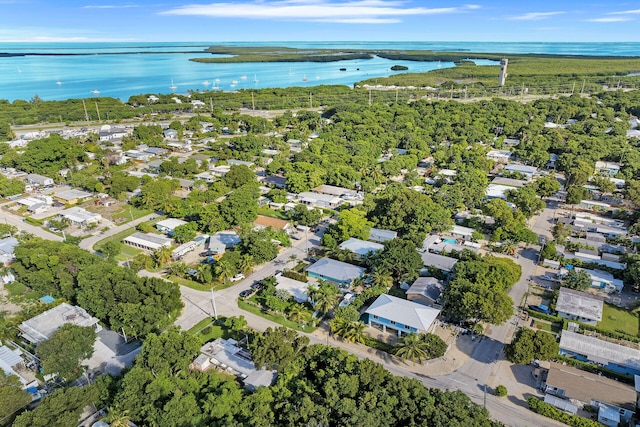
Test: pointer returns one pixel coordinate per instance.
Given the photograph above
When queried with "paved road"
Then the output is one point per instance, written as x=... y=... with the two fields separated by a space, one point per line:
x=17 y=222
x=88 y=243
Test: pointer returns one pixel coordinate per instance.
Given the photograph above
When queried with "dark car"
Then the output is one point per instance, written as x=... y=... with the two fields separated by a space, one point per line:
x=541 y=309
x=246 y=293
x=257 y=286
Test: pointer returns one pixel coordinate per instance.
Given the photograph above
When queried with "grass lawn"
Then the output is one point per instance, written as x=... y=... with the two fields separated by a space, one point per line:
x=619 y=320
x=546 y=326
x=275 y=318
x=124 y=215
x=15 y=288
x=207 y=331
x=271 y=213
x=189 y=283
x=117 y=237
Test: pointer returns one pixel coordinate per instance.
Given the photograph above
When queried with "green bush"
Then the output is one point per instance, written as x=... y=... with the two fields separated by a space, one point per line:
x=543 y=316
x=291 y=274
x=554 y=413
x=501 y=391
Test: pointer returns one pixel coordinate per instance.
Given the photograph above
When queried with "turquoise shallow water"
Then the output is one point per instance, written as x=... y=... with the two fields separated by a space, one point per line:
x=123 y=75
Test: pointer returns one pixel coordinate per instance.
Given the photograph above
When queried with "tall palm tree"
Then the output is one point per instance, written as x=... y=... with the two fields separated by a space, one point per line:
x=411 y=347
x=162 y=255
x=298 y=314
x=178 y=269
x=350 y=331
x=381 y=278
x=246 y=262
x=224 y=270
x=201 y=272
x=325 y=299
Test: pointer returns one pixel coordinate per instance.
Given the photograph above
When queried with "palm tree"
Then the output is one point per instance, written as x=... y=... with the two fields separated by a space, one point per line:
x=246 y=262
x=349 y=331
x=162 y=255
x=381 y=278
x=224 y=270
x=201 y=272
x=325 y=299
x=178 y=269
x=293 y=257
x=411 y=347
x=298 y=314
x=118 y=417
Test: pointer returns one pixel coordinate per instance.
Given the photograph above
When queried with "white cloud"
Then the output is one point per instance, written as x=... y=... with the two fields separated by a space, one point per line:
x=350 y=12
x=626 y=12
x=611 y=19
x=534 y=16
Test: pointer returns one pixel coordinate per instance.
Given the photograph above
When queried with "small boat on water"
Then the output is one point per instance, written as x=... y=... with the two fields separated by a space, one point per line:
x=19 y=70
x=343 y=69
x=217 y=80
x=290 y=70
x=95 y=92
x=304 y=79
x=234 y=83
x=173 y=86
x=206 y=83
x=243 y=77
x=255 y=78
x=59 y=83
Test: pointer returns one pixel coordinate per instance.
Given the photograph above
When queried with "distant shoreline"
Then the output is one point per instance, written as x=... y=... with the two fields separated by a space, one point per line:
x=21 y=54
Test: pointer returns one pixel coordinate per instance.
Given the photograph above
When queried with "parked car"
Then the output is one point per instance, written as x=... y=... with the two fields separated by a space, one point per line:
x=246 y=293
x=541 y=309
x=257 y=285
x=237 y=277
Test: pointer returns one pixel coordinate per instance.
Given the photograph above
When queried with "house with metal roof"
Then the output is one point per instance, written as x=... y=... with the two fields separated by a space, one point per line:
x=615 y=357
x=80 y=217
x=169 y=225
x=580 y=306
x=499 y=156
x=12 y=363
x=7 y=245
x=221 y=241
x=381 y=235
x=42 y=326
x=400 y=316
x=614 y=401
x=148 y=241
x=527 y=171
x=227 y=356
x=39 y=180
x=320 y=200
x=425 y=290
x=360 y=247
x=338 y=272
x=439 y=262
x=71 y=197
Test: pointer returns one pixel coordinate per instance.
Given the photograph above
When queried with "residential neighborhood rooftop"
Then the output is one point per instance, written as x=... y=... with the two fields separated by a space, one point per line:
x=405 y=312
x=580 y=304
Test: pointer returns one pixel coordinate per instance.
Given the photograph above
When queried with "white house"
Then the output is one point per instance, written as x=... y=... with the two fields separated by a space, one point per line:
x=499 y=156
x=580 y=306
x=360 y=247
x=400 y=316
x=39 y=180
x=42 y=326
x=169 y=225
x=80 y=217
x=147 y=242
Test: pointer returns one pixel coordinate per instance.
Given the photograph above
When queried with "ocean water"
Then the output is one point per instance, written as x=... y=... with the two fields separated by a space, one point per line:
x=120 y=70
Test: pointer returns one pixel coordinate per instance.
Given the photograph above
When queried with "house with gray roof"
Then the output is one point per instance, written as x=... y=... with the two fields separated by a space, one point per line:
x=148 y=241
x=425 y=290
x=528 y=171
x=400 y=316
x=614 y=402
x=615 y=357
x=338 y=272
x=41 y=327
x=381 y=235
x=360 y=247
x=580 y=306
x=439 y=262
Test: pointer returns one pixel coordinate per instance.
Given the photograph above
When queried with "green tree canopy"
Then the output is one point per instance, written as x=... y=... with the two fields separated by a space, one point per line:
x=528 y=345
x=576 y=279
x=63 y=351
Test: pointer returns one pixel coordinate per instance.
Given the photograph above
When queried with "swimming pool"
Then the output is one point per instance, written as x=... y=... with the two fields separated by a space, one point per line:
x=452 y=241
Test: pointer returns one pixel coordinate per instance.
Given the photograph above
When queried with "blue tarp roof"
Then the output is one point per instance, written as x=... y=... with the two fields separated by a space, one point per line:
x=47 y=299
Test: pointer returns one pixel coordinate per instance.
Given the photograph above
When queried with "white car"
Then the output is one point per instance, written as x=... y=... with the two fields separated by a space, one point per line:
x=237 y=277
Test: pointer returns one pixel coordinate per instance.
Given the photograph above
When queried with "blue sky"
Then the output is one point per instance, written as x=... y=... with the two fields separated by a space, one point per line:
x=318 y=20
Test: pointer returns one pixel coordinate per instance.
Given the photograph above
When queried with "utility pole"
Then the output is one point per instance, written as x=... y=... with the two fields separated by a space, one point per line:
x=369 y=97
x=253 y=104
x=396 y=95
x=310 y=100
x=97 y=111
x=86 y=115
x=582 y=90
x=213 y=303
x=573 y=88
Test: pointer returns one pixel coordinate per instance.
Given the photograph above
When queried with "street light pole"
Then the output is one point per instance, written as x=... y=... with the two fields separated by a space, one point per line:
x=213 y=303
